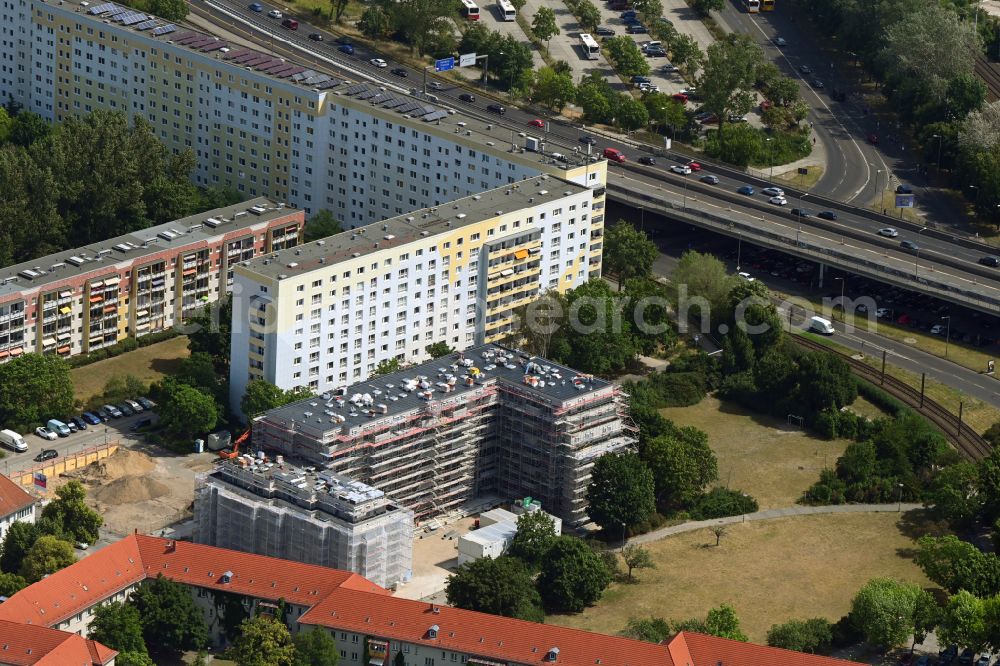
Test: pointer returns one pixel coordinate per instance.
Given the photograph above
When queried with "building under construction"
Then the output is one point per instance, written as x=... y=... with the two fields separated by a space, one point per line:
x=269 y=507
x=489 y=421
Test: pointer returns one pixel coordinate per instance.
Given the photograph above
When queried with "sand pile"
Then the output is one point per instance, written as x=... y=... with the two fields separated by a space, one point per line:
x=129 y=490
x=123 y=462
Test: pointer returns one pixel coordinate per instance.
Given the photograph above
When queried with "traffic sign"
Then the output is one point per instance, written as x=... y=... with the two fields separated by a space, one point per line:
x=466 y=59
x=444 y=64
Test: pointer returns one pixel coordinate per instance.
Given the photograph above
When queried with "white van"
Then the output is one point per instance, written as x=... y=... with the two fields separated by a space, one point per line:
x=58 y=427
x=820 y=325
x=13 y=441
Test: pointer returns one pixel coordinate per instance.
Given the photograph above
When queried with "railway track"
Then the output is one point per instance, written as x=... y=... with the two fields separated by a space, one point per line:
x=966 y=440
x=990 y=74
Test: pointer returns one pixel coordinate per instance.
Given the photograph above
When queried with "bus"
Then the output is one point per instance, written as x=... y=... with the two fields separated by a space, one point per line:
x=767 y=5
x=753 y=6
x=470 y=10
x=591 y=49
x=507 y=11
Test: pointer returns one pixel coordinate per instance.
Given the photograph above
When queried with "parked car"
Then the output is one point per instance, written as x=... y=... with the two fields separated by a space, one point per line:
x=46 y=454
x=58 y=427
x=346 y=48
x=669 y=68
x=45 y=433
x=680 y=97
x=275 y=14
x=711 y=180
x=82 y=545
x=947 y=655
x=780 y=41
x=604 y=32
x=924 y=661
x=91 y=418
x=136 y=407
x=966 y=657
x=816 y=83
x=682 y=169
x=466 y=97
x=747 y=190
x=984 y=659
x=647 y=160
x=873 y=139
x=641 y=79
x=146 y=403
x=656 y=52
x=125 y=409
x=378 y=62
x=637 y=29
x=496 y=108
x=111 y=411
x=827 y=215
x=805 y=69
x=72 y=426
x=888 y=232
x=78 y=422
x=256 y=7
x=141 y=423
x=400 y=72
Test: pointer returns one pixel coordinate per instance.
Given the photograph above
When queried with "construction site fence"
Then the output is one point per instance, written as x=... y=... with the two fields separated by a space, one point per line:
x=24 y=477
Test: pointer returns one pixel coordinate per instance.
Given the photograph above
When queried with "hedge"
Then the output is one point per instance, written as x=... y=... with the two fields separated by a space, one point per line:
x=119 y=348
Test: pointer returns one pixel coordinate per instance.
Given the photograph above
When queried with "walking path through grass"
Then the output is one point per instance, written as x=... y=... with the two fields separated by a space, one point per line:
x=770 y=514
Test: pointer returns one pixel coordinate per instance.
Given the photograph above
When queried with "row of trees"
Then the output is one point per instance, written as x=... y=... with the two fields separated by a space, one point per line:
x=424 y=25
x=88 y=179
x=31 y=551
x=721 y=621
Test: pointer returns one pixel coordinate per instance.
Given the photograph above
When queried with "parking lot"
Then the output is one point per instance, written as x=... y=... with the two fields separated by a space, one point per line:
x=565 y=45
x=490 y=16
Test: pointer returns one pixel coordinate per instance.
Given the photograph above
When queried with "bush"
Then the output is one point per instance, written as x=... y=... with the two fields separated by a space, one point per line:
x=880 y=398
x=722 y=502
x=681 y=389
x=119 y=348
x=830 y=489
x=746 y=145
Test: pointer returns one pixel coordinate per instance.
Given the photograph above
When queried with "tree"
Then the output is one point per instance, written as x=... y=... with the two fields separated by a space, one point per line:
x=682 y=464
x=598 y=340
x=337 y=8
x=11 y=584
x=630 y=113
x=500 y=587
x=687 y=54
x=46 y=556
x=628 y=252
x=572 y=577
x=18 y=540
x=32 y=387
x=260 y=396
x=719 y=531
x=170 y=619
x=649 y=10
x=651 y=629
x=322 y=223
x=886 y=611
x=535 y=534
x=69 y=511
x=387 y=367
x=438 y=349
x=963 y=621
x=133 y=659
x=588 y=15
x=544 y=25
x=27 y=128
x=724 y=623
x=954 y=494
x=664 y=110
x=315 y=647
x=198 y=371
x=620 y=491
x=553 y=89
x=637 y=557
x=263 y=642
x=813 y=635
x=185 y=411
x=374 y=23
x=705 y=7
x=6 y=122
x=701 y=286
x=626 y=56
x=210 y=332
x=958 y=565
x=118 y=626
x=726 y=85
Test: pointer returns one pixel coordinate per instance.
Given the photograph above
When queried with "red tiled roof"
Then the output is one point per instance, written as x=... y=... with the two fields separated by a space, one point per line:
x=22 y=645
x=65 y=593
x=488 y=636
x=12 y=497
x=711 y=650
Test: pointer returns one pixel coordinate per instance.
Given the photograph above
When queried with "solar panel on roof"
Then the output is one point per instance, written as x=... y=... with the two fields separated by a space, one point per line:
x=214 y=46
x=236 y=54
x=165 y=30
x=327 y=85
x=135 y=18
x=198 y=41
x=185 y=39
x=283 y=70
x=437 y=115
x=272 y=66
x=393 y=102
x=295 y=70
x=409 y=106
x=243 y=56
x=428 y=109
x=256 y=60
x=146 y=25
x=304 y=75
x=116 y=11
x=185 y=35
x=100 y=9
x=356 y=88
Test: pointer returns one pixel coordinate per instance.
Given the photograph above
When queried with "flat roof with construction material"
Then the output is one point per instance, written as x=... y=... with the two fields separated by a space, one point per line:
x=449 y=379
x=403 y=229
x=103 y=257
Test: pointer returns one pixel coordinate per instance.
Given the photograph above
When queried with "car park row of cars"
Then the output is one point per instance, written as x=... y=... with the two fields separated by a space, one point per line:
x=951 y=655
x=56 y=428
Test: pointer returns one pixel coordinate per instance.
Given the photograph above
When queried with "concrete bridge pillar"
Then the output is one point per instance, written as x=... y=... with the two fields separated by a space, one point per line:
x=822 y=272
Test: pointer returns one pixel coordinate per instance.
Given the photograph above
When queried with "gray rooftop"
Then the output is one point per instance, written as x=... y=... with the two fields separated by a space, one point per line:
x=99 y=258
x=402 y=229
x=445 y=378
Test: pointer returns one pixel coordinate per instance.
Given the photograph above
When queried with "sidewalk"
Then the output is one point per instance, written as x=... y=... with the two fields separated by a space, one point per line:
x=771 y=514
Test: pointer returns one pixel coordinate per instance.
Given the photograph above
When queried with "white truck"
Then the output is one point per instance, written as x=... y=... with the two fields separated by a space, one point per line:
x=820 y=325
x=13 y=441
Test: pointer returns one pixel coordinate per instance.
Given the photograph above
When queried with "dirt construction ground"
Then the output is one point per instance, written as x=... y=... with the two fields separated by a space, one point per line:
x=435 y=556
x=141 y=488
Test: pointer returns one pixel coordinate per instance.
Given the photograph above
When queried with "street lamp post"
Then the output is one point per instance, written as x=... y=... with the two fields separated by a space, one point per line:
x=899 y=499
x=878 y=189
x=770 y=158
x=623 y=535
x=947 y=334
x=916 y=258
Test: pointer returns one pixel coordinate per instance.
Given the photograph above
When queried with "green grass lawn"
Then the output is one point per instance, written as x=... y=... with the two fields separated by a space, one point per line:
x=769 y=571
x=149 y=364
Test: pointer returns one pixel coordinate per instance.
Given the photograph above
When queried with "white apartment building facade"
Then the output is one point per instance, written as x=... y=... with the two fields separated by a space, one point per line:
x=325 y=314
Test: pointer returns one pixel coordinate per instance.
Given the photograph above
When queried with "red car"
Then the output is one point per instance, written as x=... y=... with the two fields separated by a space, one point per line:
x=904 y=319
x=614 y=155
x=694 y=166
x=873 y=139
x=536 y=123
x=765 y=105
x=681 y=97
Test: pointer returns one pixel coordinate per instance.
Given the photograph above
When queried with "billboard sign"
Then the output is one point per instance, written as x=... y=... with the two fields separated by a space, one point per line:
x=904 y=200
x=467 y=60
x=444 y=64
